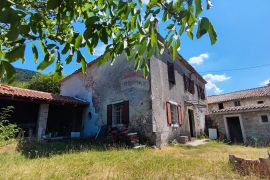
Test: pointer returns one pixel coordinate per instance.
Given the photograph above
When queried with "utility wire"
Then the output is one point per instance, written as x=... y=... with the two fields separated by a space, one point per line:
x=236 y=69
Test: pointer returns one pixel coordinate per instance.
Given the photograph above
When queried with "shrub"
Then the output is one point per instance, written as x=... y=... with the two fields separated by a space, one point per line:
x=45 y=83
x=7 y=130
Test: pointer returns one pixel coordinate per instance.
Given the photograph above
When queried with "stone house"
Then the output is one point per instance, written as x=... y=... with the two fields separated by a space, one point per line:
x=243 y=115
x=169 y=103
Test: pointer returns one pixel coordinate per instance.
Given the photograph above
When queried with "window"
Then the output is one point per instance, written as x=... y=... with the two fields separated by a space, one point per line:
x=260 y=102
x=220 y=106
x=237 y=103
x=174 y=114
x=201 y=92
x=264 y=119
x=118 y=113
x=189 y=85
x=171 y=75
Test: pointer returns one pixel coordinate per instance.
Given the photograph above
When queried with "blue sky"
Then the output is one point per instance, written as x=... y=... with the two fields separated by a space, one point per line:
x=243 y=29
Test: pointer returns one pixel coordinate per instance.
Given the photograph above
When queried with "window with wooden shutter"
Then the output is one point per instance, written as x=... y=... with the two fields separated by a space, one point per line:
x=171 y=75
x=109 y=115
x=201 y=92
x=173 y=116
x=169 y=114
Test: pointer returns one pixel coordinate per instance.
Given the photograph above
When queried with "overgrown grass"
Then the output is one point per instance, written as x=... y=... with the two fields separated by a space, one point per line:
x=85 y=160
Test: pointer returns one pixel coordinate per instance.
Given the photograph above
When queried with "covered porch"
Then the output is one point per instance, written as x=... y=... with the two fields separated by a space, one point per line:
x=43 y=115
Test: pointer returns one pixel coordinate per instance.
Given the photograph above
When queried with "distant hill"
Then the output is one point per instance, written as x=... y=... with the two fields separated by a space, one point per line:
x=24 y=75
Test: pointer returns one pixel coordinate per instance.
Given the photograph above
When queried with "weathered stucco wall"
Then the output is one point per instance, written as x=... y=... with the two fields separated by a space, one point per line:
x=162 y=91
x=107 y=84
x=253 y=127
x=76 y=86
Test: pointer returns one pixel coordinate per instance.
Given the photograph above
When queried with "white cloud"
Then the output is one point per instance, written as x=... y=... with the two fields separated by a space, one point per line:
x=99 y=50
x=266 y=82
x=197 y=60
x=211 y=82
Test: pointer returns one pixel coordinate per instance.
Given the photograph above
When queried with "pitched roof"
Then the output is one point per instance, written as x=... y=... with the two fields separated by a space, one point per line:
x=250 y=107
x=255 y=92
x=26 y=94
x=179 y=58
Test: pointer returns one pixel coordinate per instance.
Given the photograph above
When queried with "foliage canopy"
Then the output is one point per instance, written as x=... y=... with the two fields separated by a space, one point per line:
x=45 y=83
x=122 y=25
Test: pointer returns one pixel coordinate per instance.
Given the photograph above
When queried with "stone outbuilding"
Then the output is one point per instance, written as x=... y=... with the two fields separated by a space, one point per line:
x=169 y=103
x=242 y=116
x=42 y=114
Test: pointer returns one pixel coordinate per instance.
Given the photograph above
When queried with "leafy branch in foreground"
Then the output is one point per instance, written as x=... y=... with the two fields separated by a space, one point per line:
x=7 y=130
x=51 y=25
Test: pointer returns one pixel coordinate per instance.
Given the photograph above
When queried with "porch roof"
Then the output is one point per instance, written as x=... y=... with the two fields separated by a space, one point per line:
x=15 y=93
x=252 y=107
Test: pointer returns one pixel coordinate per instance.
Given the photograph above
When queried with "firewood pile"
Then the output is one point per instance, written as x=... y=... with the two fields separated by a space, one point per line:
x=125 y=136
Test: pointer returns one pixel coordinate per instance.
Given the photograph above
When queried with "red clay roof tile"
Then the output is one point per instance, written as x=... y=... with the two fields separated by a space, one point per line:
x=255 y=92
x=243 y=108
x=14 y=92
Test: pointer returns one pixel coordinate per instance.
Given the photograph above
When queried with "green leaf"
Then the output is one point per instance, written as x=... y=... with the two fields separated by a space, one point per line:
x=142 y=47
x=140 y=29
x=198 y=7
x=170 y=26
x=190 y=35
x=69 y=59
x=12 y=34
x=104 y=58
x=9 y=71
x=50 y=46
x=153 y=38
x=175 y=46
x=48 y=60
x=35 y=52
x=81 y=59
x=66 y=48
x=78 y=41
x=16 y=53
x=145 y=68
x=137 y=63
x=133 y=21
x=204 y=27
x=91 y=20
x=52 y=4
x=43 y=47
x=104 y=36
x=212 y=34
x=147 y=23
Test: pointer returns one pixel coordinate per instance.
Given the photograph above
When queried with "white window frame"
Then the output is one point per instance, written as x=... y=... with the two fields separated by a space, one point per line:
x=175 y=124
x=114 y=124
x=264 y=114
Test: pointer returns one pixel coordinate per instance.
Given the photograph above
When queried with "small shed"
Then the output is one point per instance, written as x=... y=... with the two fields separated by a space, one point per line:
x=41 y=113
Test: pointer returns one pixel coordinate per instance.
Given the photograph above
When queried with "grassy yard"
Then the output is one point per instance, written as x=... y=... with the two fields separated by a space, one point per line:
x=83 y=160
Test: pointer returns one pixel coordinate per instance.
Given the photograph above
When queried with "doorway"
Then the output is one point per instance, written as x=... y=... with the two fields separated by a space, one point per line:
x=191 y=122
x=234 y=129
